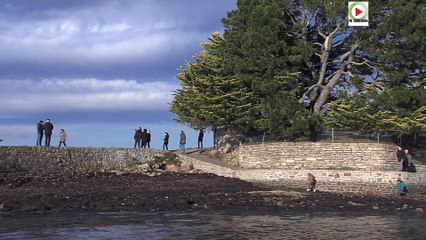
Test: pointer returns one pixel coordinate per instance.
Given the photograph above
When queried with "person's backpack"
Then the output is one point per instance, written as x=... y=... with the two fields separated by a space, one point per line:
x=411 y=168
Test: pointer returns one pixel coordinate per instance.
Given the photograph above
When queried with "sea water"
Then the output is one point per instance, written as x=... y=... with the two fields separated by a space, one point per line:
x=213 y=225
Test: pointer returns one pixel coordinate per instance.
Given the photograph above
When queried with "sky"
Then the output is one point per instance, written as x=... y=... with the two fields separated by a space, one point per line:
x=99 y=69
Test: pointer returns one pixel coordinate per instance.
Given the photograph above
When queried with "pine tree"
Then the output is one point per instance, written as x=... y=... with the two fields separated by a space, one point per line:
x=209 y=97
x=283 y=64
x=396 y=111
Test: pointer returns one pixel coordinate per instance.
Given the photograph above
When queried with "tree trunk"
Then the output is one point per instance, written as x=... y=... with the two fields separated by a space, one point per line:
x=345 y=62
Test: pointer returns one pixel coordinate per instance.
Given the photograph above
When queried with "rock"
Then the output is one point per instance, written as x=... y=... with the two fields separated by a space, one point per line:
x=376 y=207
x=355 y=204
x=419 y=210
x=405 y=206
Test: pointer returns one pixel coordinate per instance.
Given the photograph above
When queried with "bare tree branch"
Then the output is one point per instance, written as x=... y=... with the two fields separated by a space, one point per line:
x=309 y=90
x=367 y=63
x=348 y=73
x=338 y=43
x=327 y=107
x=321 y=34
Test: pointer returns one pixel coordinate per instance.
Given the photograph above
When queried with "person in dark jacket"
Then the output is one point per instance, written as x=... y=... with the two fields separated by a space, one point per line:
x=200 y=138
x=182 y=141
x=166 y=141
x=144 y=138
x=40 y=129
x=138 y=137
x=48 y=129
x=402 y=158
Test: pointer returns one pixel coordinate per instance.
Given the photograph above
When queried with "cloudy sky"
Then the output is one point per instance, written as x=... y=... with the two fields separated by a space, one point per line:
x=99 y=68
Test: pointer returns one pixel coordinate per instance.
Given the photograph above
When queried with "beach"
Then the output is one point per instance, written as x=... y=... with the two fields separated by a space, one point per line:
x=184 y=192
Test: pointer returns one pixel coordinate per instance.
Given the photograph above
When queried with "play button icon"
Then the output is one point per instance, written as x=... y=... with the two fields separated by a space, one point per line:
x=358 y=11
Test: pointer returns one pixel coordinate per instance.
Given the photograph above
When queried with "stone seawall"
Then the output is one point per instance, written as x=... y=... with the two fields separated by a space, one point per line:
x=46 y=162
x=343 y=181
x=318 y=155
x=366 y=182
x=355 y=176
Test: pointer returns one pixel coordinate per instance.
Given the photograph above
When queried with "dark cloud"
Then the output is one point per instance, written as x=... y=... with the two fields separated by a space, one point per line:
x=104 y=39
x=86 y=63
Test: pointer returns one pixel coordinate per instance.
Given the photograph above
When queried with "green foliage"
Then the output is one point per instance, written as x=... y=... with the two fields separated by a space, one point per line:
x=209 y=97
x=281 y=64
x=283 y=114
x=167 y=158
x=396 y=41
x=398 y=110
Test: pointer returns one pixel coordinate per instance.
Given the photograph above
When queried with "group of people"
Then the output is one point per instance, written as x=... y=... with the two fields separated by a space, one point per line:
x=45 y=128
x=143 y=139
x=405 y=160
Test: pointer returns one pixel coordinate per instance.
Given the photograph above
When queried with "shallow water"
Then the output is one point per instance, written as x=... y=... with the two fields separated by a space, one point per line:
x=133 y=225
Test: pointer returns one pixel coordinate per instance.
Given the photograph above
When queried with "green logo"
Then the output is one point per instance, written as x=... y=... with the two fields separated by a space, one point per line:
x=357 y=13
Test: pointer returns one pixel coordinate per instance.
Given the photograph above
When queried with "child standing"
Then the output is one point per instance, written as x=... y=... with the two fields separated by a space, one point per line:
x=62 y=138
x=312 y=183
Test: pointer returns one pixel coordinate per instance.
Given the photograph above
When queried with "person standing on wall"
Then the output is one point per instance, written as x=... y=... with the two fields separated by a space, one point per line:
x=182 y=141
x=148 y=139
x=144 y=138
x=48 y=129
x=62 y=138
x=200 y=138
x=138 y=137
x=166 y=141
x=40 y=129
x=402 y=159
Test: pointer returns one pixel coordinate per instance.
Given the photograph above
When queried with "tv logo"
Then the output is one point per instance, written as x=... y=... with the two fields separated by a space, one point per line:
x=358 y=14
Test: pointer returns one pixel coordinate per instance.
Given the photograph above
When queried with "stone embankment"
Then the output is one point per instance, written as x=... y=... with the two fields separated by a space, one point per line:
x=353 y=168
x=52 y=162
x=339 y=167
x=318 y=155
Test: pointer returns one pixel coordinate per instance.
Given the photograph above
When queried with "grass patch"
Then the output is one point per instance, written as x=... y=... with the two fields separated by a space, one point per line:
x=168 y=158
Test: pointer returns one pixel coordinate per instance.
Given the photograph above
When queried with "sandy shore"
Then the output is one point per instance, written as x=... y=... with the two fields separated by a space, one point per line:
x=184 y=192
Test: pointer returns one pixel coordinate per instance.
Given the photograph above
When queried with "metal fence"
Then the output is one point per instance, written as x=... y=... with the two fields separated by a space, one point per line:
x=344 y=136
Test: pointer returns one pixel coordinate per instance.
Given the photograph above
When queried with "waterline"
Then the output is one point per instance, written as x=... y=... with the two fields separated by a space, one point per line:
x=133 y=225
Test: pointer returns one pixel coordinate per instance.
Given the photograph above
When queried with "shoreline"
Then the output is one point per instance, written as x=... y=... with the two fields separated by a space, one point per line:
x=183 y=192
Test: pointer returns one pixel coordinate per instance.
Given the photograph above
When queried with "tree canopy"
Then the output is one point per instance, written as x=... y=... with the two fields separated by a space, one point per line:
x=284 y=66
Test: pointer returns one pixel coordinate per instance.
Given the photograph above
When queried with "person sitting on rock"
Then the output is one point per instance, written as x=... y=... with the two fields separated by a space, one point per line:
x=312 y=183
x=401 y=188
